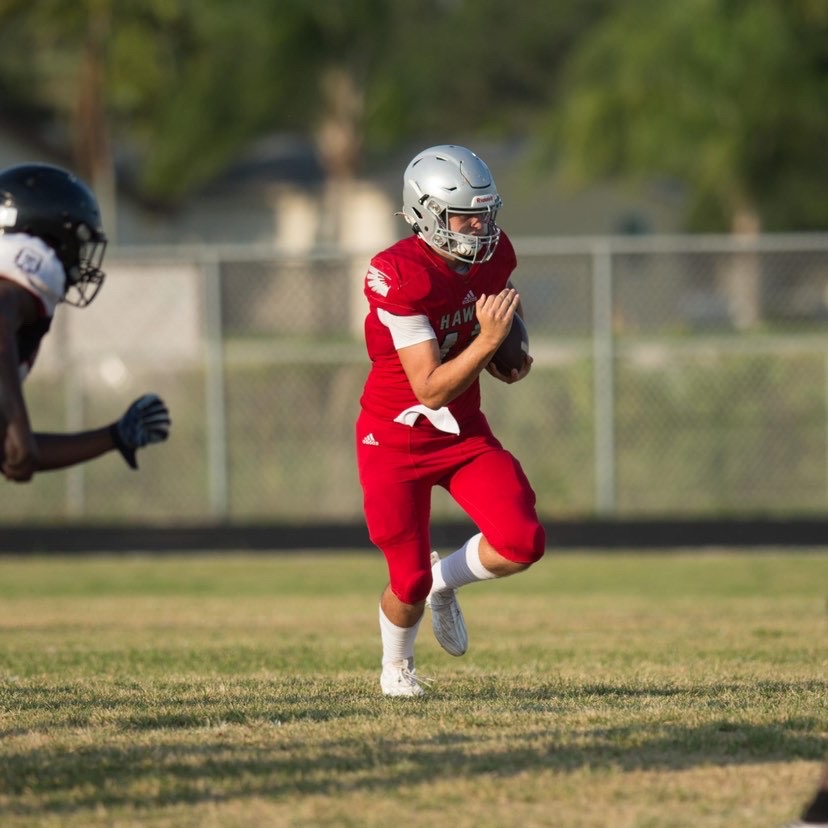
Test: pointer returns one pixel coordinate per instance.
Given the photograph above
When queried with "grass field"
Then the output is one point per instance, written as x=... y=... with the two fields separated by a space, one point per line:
x=237 y=690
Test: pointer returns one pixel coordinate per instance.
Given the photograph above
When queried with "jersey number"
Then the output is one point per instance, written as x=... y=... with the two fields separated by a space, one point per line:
x=450 y=340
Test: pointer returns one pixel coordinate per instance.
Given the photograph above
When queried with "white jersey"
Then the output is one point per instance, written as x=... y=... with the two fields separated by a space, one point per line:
x=32 y=264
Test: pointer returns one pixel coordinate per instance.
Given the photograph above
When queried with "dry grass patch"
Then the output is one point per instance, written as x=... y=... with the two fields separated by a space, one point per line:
x=620 y=690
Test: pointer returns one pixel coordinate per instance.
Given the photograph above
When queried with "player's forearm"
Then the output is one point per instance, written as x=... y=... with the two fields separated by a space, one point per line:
x=12 y=406
x=450 y=379
x=58 y=451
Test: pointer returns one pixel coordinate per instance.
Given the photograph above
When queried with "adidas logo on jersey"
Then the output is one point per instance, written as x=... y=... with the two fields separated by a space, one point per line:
x=470 y=297
x=370 y=440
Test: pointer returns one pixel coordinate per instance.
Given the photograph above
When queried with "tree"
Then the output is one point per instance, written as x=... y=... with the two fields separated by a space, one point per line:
x=467 y=67
x=727 y=96
x=71 y=83
x=186 y=85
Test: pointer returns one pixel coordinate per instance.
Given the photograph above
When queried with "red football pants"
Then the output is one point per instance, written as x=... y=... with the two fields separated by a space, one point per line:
x=400 y=465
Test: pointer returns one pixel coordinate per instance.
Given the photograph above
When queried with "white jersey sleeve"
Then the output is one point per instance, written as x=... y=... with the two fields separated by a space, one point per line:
x=407 y=330
x=31 y=263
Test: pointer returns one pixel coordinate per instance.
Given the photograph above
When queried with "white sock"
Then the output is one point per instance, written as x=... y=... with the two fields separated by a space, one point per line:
x=397 y=642
x=461 y=567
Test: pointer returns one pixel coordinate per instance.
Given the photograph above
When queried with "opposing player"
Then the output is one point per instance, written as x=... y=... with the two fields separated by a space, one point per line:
x=51 y=250
x=440 y=304
x=815 y=813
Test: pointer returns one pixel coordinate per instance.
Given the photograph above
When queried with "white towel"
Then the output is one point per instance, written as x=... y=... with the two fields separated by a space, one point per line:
x=440 y=418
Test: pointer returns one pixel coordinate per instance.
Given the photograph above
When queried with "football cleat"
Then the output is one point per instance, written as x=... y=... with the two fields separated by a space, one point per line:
x=399 y=678
x=447 y=618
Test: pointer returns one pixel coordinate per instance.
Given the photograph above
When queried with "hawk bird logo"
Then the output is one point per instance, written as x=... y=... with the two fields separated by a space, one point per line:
x=378 y=281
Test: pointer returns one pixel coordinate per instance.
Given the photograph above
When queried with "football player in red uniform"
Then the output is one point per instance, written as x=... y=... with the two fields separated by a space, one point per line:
x=441 y=302
x=51 y=250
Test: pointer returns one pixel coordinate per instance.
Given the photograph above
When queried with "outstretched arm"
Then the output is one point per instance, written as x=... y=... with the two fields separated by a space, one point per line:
x=146 y=421
x=58 y=451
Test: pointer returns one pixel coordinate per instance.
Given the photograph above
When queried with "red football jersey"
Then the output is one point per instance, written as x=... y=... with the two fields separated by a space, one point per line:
x=409 y=279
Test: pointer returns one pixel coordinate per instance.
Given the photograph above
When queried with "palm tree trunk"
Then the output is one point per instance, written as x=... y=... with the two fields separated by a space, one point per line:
x=92 y=149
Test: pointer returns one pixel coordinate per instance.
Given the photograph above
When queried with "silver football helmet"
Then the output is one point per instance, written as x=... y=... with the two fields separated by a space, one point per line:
x=446 y=181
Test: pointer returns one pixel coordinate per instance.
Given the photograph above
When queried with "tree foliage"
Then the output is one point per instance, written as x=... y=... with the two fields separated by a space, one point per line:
x=189 y=83
x=470 y=66
x=728 y=96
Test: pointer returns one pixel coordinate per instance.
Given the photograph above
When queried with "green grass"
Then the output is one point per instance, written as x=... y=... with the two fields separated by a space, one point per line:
x=237 y=690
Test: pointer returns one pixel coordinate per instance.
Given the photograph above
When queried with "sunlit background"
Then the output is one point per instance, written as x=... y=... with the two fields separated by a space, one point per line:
x=663 y=170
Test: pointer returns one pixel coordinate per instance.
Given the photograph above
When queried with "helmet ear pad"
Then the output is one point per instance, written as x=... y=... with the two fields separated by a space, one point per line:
x=432 y=220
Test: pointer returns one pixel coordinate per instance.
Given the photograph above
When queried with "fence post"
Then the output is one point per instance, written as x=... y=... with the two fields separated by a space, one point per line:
x=214 y=388
x=73 y=411
x=603 y=378
x=825 y=416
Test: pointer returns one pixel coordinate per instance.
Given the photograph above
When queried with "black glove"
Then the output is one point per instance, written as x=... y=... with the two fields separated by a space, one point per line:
x=146 y=421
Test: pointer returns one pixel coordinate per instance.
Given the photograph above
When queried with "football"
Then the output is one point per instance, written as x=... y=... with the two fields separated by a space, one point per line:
x=513 y=349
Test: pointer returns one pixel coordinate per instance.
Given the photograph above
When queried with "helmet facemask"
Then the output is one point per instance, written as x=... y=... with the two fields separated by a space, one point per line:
x=84 y=280
x=477 y=243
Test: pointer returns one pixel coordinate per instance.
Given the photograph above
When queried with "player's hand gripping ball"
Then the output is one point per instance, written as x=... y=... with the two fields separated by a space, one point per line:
x=146 y=421
x=514 y=349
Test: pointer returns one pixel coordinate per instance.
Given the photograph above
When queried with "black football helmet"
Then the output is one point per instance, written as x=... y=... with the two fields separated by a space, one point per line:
x=54 y=205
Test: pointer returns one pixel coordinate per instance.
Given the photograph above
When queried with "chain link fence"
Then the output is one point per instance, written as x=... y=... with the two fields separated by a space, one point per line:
x=681 y=376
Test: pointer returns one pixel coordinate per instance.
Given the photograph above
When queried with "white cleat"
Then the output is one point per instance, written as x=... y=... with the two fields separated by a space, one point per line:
x=447 y=618
x=399 y=678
